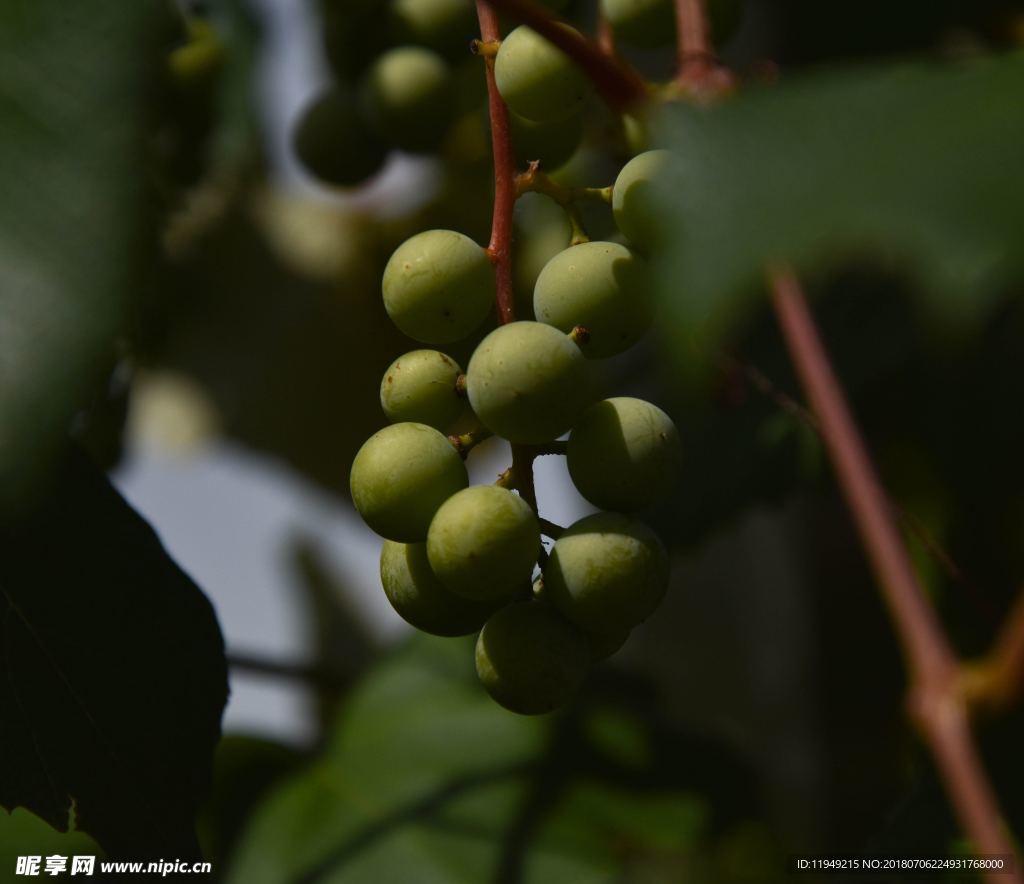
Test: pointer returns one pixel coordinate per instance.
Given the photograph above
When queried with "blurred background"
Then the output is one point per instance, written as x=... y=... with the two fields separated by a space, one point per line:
x=760 y=713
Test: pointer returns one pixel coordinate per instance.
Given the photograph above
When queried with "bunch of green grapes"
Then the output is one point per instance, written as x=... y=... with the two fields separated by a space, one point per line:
x=460 y=559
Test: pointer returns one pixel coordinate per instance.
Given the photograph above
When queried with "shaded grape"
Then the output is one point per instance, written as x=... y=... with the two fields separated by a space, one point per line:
x=400 y=477
x=420 y=386
x=530 y=659
x=483 y=542
x=602 y=286
x=607 y=572
x=552 y=143
x=644 y=23
x=443 y=25
x=438 y=286
x=527 y=382
x=639 y=196
x=537 y=80
x=408 y=98
x=624 y=454
x=420 y=599
x=333 y=142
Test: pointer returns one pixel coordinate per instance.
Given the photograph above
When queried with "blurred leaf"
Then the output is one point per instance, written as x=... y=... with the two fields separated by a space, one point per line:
x=72 y=91
x=427 y=780
x=912 y=163
x=24 y=834
x=113 y=677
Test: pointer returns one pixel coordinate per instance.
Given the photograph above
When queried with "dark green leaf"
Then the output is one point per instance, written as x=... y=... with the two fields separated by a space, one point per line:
x=72 y=83
x=112 y=672
x=910 y=163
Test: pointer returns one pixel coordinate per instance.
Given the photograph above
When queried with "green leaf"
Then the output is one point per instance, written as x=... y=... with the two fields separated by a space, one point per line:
x=72 y=89
x=427 y=780
x=24 y=834
x=913 y=163
x=112 y=673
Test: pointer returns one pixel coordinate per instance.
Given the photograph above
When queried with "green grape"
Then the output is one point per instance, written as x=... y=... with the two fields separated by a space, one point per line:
x=537 y=80
x=483 y=542
x=333 y=142
x=420 y=387
x=438 y=286
x=602 y=286
x=624 y=454
x=639 y=196
x=644 y=23
x=607 y=572
x=442 y=25
x=527 y=382
x=604 y=646
x=408 y=97
x=552 y=143
x=541 y=231
x=420 y=599
x=400 y=477
x=530 y=659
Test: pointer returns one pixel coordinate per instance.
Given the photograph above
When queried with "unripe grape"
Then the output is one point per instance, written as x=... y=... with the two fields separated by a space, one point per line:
x=537 y=80
x=606 y=572
x=408 y=98
x=552 y=143
x=624 y=454
x=639 y=196
x=421 y=599
x=483 y=542
x=438 y=286
x=530 y=659
x=401 y=475
x=420 y=387
x=443 y=25
x=527 y=382
x=333 y=142
x=602 y=286
x=644 y=23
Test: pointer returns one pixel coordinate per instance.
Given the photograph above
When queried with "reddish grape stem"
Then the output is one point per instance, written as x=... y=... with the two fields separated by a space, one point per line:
x=499 y=250
x=694 y=53
x=618 y=84
x=937 y=698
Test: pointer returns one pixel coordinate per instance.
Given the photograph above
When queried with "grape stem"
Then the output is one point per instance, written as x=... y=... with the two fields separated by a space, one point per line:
x=535 y=181
x=620 y=86
x=499 y=250
x=698 y=71
x=938 y=698
x=468 y=441
x=550 y=529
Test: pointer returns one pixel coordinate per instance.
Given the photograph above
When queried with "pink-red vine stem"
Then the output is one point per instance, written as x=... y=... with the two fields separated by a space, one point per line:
x=937 y=700
x=499 y=249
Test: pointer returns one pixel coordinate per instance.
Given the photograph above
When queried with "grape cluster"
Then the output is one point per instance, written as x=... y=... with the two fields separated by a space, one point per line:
x=460 y=559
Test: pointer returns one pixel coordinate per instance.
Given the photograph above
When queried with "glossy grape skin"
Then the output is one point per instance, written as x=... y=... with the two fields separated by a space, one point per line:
x=420 y=599
x=408 y=97
x=624 y=454
x=551 y=143
x=442 y=25
x=537 y=80
x=483 y=543
x=602 y=286
x=333 y=142
x=419 y=386
x=640 y=194
x=400 y=477
x=607 y=572
x=527 y=382
x=438 y=286
x=530 y=659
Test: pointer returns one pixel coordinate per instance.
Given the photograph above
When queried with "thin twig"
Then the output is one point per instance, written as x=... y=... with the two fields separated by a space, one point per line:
x=937 y=702
x=697 y=68
x=315 y=676
x=998 y=680
x=618 y=84
x=500 y=247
